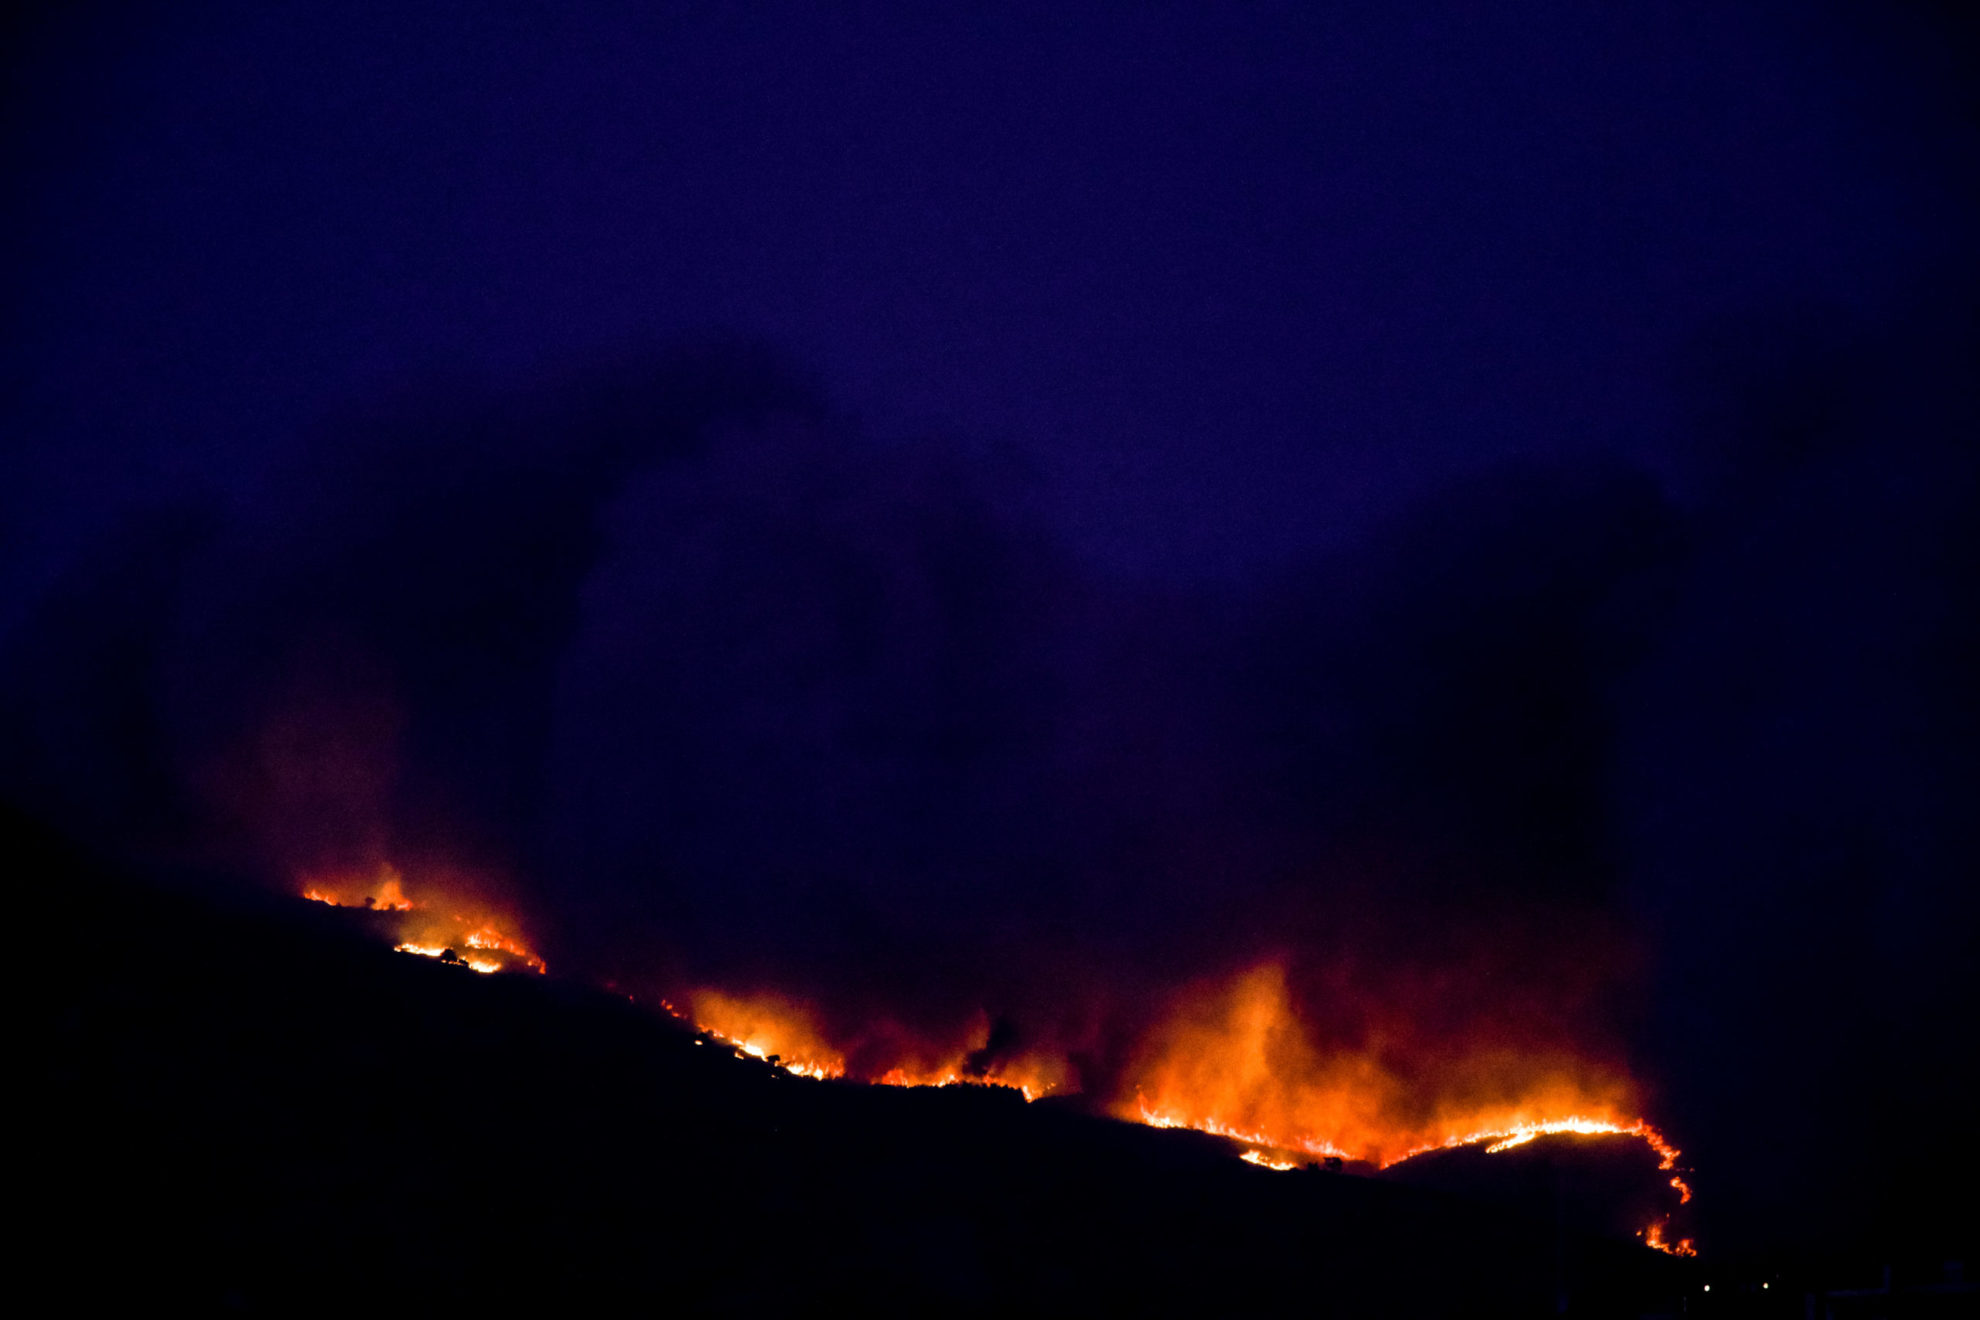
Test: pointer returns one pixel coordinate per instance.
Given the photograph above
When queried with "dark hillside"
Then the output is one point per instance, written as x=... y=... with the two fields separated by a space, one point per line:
x=254 y=1106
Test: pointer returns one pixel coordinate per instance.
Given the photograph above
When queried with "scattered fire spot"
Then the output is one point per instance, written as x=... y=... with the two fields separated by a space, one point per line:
x=1654 y=1237
x=767 y=1027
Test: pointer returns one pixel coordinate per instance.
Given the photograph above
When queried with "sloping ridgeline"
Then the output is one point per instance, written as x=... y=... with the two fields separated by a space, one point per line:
x=249 y=1104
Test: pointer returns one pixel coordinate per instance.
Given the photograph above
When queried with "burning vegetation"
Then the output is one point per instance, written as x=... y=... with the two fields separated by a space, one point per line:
x=447 y=927
x=782 y=1030
x=1232 y=1059
x=1248 y=1071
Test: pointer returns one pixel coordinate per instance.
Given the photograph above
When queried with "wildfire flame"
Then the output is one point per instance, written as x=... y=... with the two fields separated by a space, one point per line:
x=386 y=894
x=1654 y=1237
x=433 y=929
x=1231 y=1059
x=782 y=1031
x=1266 y=1161
x=766 y=1027
x=1237 y=1064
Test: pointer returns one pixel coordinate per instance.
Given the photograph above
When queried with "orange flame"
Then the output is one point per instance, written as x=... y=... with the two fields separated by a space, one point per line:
x=774 y=1027
x=471 y=938
x=1654 y=1237
x=1236 y=1061
x=1233 y=1059
x=768 y=1027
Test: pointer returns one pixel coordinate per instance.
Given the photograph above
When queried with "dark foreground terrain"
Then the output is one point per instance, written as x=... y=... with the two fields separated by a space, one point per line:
x=251 y=1106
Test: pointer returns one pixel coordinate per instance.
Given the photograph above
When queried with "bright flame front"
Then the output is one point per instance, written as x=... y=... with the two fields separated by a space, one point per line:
x=443 y=922
x=1233 y=1059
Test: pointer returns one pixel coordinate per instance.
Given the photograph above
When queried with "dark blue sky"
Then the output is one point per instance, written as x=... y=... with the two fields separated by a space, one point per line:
x=1235 y=279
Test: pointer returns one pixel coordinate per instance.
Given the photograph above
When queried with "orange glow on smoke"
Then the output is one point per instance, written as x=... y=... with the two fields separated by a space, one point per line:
x=1033 y=1077
x=1264 y=1161
x=1236 y=1059
x=768 y=1027
x=781 y=1030
x=385 y=893
x=436 y=925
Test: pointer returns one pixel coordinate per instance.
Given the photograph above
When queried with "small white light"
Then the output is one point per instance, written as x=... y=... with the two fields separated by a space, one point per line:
x=1708 y=1287
x=1765 y=1285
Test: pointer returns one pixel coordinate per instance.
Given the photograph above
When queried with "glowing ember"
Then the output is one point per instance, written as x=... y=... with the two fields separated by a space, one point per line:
x=432 y=927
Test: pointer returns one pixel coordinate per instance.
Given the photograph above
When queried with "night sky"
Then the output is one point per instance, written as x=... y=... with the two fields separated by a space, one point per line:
x=1010 y=511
